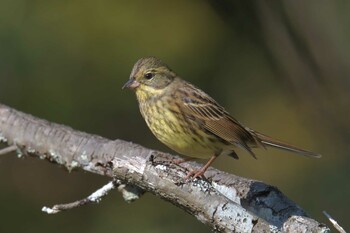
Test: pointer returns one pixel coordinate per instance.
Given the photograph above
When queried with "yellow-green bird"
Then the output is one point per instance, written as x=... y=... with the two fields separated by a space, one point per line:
x=188 y=120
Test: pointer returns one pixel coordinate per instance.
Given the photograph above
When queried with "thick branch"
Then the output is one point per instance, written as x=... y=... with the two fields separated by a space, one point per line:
x=225 y=202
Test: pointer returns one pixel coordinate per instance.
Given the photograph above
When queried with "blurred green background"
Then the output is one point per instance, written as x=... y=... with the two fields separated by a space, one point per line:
x=280 y=67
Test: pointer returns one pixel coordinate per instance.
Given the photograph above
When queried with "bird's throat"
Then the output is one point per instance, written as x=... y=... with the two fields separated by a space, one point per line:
x=145 y=93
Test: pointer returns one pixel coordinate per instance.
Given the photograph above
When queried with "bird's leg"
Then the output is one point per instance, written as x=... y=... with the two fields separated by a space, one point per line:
x=201 y=171
x=179 y=161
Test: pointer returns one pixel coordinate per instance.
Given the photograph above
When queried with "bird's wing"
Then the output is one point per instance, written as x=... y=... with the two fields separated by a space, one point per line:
x=201 y=107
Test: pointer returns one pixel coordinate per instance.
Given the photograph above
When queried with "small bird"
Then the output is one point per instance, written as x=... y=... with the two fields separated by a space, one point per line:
x=188 y=120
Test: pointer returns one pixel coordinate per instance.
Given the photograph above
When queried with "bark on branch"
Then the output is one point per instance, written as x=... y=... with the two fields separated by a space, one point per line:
x=225 y=202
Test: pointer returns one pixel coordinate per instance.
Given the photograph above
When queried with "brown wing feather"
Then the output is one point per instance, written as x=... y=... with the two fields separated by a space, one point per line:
x=215 y=119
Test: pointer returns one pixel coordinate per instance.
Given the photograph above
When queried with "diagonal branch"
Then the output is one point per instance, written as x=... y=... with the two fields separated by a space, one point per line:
x=93 y=198
x=225 y=202
x=8 y=149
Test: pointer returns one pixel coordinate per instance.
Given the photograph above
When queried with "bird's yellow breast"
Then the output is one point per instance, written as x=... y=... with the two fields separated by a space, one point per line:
x=166 y=121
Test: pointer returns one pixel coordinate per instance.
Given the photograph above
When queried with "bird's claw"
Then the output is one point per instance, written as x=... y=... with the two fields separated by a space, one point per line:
x=194 y=174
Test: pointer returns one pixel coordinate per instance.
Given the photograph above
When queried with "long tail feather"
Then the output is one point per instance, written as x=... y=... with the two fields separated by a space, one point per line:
x=268 y=141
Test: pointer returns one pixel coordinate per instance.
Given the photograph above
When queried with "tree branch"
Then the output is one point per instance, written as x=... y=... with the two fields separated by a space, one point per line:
x=335 y=223
x=8 y=150
x=225 y=202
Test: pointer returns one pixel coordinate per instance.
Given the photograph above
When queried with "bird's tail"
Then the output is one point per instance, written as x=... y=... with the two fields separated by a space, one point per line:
x=268 y=141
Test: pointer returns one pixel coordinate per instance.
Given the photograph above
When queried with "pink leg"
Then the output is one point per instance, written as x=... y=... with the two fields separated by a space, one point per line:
x=201 y=171
x=179 y=161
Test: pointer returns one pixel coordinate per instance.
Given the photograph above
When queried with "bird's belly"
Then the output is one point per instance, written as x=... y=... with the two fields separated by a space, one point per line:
x=189 y=147
x=186 y=144
x=179 y=134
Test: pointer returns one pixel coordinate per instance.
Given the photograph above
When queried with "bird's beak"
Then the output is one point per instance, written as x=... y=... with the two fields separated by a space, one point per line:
x=131 y=84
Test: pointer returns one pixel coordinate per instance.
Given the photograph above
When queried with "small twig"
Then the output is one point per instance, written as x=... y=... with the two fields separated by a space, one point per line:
x=8 y=149
x=335 y=224
x=95 y=197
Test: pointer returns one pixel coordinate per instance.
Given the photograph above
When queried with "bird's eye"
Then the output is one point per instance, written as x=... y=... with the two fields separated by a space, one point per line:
x=148 y=76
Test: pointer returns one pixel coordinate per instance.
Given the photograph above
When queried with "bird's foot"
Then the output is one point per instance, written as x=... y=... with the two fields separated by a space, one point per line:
x=196 y=173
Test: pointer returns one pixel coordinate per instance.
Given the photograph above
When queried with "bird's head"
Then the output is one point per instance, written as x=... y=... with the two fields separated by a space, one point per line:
x=150 y=75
